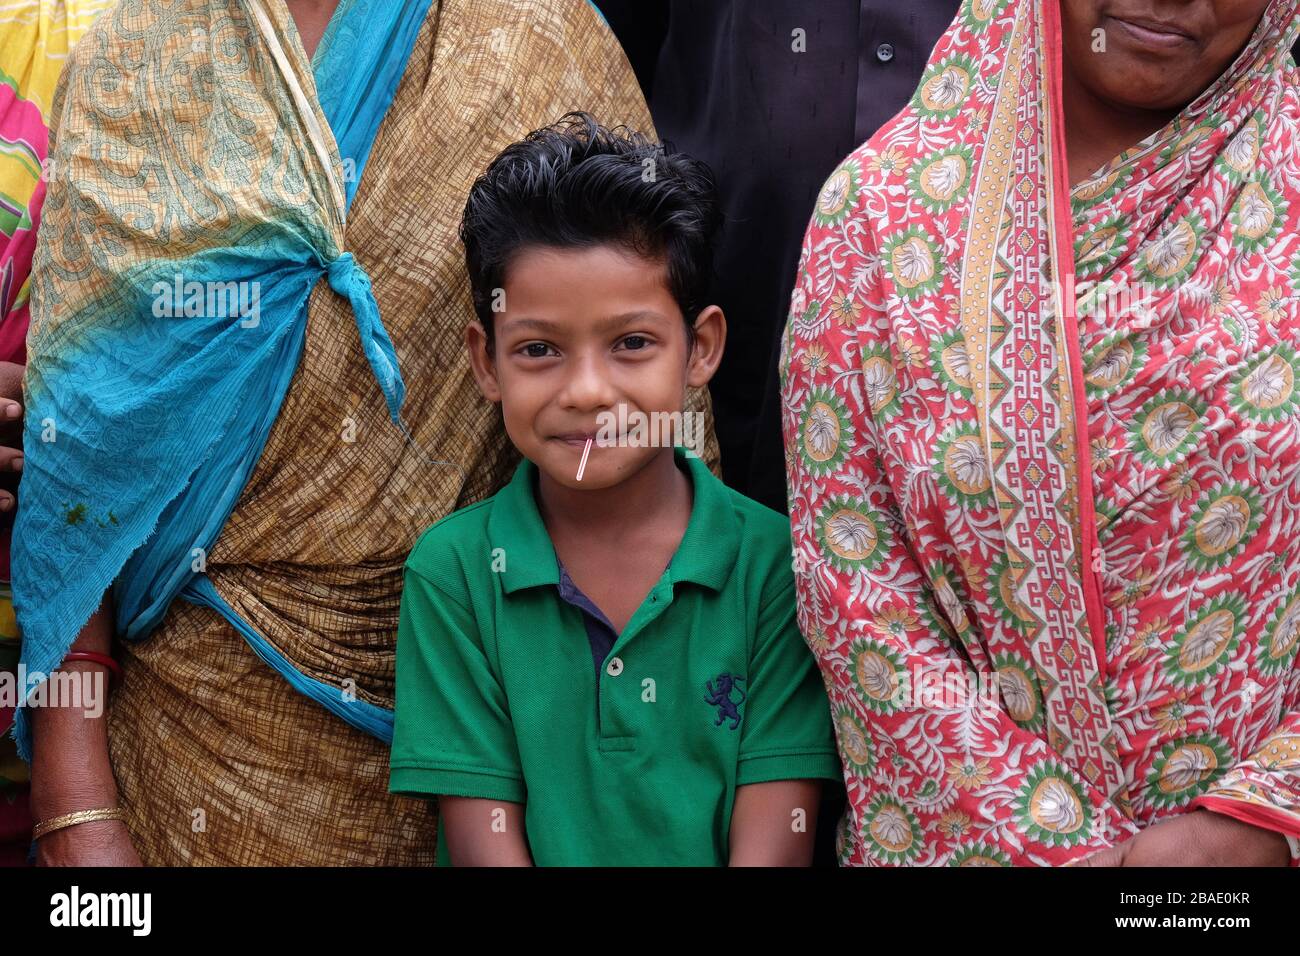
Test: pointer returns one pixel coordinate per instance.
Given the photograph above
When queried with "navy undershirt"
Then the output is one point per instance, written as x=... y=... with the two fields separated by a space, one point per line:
x=600 y=632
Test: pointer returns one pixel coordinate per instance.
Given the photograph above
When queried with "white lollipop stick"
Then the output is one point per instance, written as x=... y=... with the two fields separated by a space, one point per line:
x=582 y=465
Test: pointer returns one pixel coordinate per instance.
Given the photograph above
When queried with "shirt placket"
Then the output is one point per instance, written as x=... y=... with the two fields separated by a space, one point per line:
x=886 y=37
x=613 y=723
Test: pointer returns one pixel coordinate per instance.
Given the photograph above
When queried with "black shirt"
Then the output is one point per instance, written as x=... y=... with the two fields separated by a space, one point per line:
x=772 y=94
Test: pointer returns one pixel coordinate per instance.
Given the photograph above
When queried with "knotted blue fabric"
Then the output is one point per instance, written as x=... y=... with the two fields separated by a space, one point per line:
x=159 y=423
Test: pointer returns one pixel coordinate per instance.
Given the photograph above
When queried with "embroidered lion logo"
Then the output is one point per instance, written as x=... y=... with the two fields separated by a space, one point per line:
x=721 y=698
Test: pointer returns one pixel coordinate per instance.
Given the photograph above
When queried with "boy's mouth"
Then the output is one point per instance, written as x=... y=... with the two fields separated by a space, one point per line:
x=577 y=439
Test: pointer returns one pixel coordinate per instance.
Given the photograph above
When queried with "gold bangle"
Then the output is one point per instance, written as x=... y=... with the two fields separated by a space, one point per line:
x=77 y=816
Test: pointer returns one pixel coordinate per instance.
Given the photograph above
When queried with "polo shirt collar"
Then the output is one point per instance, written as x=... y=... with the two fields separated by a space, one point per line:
x=516 y=527
x=711 y=544
x=706 y=555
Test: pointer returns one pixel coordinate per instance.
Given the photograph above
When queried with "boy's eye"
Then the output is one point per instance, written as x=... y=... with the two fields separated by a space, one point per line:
x=536 y=349
x=635 y=342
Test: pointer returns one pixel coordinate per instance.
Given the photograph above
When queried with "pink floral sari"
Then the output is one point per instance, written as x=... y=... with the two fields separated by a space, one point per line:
x=1044 y=459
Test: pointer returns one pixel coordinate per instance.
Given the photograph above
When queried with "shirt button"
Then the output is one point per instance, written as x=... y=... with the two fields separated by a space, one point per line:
x=885 y=52
x=614 y=667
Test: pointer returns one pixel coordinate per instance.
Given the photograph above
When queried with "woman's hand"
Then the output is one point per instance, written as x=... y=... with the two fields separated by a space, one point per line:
x=1198 y=838
x=11 y=431
x=100 y=843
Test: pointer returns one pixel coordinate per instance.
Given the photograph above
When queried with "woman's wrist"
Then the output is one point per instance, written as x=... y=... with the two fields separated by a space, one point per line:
x=70 y=796
x=65 y=820
x=70 y=766
x=100 y=843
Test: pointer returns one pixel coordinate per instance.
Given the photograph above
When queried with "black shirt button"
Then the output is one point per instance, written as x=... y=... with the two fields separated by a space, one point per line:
x=885 y=52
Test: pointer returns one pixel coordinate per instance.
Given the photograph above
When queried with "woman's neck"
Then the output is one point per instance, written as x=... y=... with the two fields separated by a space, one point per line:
x=1097 y=131
x=311 y=17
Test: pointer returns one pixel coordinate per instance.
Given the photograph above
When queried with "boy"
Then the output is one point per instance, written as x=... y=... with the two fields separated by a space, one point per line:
x=600 y=665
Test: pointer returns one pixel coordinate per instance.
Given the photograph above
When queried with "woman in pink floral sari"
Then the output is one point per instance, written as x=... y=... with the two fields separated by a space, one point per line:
x=1042 y=418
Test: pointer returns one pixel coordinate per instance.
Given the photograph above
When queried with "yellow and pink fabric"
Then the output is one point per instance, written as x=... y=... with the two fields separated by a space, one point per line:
x=999 y=477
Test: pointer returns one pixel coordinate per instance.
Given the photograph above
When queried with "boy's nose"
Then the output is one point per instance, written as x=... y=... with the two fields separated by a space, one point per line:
x=588 y=386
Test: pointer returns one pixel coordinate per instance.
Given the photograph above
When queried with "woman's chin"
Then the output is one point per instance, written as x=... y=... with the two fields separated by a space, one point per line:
x=1143 y=94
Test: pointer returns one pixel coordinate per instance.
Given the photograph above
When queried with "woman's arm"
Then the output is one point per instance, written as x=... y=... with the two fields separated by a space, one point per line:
x=484 y=832
x=1198 y=838
x=71 y=770
x=773 y=824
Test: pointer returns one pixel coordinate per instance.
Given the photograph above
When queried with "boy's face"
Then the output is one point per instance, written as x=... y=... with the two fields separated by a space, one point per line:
x=582 y=332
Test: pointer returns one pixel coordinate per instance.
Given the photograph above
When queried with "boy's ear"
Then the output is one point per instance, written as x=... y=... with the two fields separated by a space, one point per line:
x=710 y=340
x=481 y=363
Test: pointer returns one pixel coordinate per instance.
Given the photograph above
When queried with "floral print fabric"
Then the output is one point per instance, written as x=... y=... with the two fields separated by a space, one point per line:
x=1048 y=443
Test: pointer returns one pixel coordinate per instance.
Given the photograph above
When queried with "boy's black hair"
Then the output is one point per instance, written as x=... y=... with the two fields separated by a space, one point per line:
x=577 y=183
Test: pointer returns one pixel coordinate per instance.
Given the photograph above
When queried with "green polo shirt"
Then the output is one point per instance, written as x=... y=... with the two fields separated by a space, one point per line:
x=708 y=688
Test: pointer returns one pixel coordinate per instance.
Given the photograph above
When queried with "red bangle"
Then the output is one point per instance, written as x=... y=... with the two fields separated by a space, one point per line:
x=114 y=667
